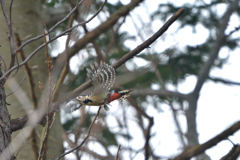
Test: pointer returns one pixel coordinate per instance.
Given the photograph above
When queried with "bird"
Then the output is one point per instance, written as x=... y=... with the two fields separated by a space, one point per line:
x=102 y=77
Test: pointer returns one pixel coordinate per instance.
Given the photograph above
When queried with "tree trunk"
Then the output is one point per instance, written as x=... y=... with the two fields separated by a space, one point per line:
x=27 y=23
x=192 y=134
x=5 y=130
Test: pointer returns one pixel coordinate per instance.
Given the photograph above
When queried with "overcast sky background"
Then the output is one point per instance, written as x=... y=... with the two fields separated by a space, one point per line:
x=218 y=105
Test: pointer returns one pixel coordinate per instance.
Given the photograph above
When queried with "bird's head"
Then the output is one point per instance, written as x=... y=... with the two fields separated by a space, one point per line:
x=83 y=99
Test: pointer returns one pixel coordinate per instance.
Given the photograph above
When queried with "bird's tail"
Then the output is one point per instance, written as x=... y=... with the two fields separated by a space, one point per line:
x=124 y=94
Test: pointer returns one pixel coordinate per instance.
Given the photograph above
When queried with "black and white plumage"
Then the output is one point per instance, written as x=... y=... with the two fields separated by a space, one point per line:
x=102 y=77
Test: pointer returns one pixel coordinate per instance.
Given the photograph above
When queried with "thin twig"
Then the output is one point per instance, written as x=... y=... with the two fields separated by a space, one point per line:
x=24 y=76
x=56 y=37
x=46 y=30
x=84 y=140
x=119 y=147
x=49 y=117
x=223 y=81
x=29 y=72
x=150 y=40
x=5 y=66
x=231 y=141
x=25 y=142
x=10 y=36
x=178 y=125
x=10 y=11
x=66 y=67
x=53 y=120
x=15 y=71
x=236 y=29
x=51 y=29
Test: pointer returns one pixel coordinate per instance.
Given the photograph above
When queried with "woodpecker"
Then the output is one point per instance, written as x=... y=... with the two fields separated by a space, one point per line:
x=102 y=77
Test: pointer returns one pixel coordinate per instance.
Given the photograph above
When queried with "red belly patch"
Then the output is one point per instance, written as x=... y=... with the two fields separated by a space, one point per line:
x=114 y=96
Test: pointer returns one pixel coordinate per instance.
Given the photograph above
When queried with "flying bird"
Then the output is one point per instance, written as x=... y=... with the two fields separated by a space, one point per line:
x=102 y=77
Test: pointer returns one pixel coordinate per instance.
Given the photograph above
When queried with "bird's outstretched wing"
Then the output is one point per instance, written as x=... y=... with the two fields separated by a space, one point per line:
x=102 y=77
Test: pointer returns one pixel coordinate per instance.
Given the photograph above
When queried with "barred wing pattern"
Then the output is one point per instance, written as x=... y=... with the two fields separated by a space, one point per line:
x=102 y=77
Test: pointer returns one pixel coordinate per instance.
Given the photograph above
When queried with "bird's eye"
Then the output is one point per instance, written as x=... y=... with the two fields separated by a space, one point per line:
x=79 y=98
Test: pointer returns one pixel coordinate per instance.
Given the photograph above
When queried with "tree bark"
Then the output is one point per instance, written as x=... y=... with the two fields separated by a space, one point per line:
x=27 y=23
x=5 y=130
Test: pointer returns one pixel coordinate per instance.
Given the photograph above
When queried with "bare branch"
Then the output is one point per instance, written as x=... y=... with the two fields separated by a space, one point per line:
x=220 y=40
x=149 y=41
x=28 y=70
x=24 y=76
x=224 y=81
x=84 y=140
x=46 y=128
x=51 y=40
x=191 y=152
x=192 y=135
x=119 y=147
x=66 y=67
x=4 y=63
x=232 y=154
x=148 y=136
x=177 y=125
x=233 y=31
x=51 y=29
x=10 y=36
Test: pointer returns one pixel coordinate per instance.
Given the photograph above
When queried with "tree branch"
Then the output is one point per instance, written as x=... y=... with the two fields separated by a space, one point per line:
x=220 y=40
x=51 y=40
x=224 y=81
x=84 y=140
x=191 y=152
x=51 y=29
x=192 y=135
x=149 y=41
x=161 y=92
x=56 y=105
x=232 y=154
x=10 y=36
x=29 y=72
